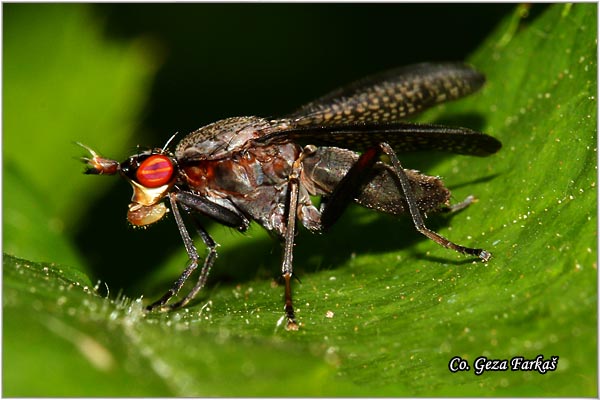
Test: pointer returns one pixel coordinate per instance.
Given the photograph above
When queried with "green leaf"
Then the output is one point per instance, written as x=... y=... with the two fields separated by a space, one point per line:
x=112 y=348
x=29 y=227
x=382 y=310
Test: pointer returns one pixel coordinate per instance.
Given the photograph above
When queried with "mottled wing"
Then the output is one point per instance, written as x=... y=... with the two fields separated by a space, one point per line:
x=392 y=95
x=369 y=112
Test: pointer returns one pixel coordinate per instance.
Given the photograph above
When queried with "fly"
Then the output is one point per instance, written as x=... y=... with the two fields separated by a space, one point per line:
x=342 y=147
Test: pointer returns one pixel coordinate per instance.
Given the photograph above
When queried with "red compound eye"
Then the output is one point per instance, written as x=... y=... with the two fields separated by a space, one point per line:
x=155 y=171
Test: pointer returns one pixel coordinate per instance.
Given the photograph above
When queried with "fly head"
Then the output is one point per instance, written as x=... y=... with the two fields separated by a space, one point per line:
x=151 y=174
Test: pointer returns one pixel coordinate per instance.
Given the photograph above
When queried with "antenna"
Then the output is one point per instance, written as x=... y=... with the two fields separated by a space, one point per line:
x=169 y=141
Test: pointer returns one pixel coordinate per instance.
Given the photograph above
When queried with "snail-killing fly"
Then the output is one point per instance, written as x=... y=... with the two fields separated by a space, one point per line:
x=341 y=148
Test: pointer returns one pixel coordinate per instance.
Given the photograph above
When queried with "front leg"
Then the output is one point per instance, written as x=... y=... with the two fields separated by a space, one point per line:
x=193 y=203
x=161 y=304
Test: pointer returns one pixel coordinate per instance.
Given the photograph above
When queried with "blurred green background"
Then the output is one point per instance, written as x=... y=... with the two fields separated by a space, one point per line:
x=115 y=76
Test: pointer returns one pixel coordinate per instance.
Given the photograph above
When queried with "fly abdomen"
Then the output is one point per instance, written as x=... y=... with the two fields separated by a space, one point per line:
x=323 y=171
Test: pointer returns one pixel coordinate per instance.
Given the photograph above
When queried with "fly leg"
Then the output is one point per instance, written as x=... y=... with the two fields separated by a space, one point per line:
x=416 y=214
x=348 y=188
x=287 y=268
x=194 y=203
x=350 y=185
x=208 y=263
x=194 y=258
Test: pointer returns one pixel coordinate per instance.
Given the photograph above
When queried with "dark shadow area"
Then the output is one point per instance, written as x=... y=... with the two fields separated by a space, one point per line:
x=221 y=60
x=470 y=182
